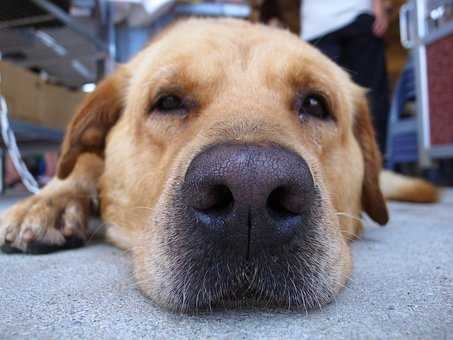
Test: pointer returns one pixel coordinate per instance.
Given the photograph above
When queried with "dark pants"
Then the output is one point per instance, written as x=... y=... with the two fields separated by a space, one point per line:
x=362 y=54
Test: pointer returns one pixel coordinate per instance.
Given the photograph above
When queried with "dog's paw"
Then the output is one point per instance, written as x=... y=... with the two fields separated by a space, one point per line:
x=45 y=223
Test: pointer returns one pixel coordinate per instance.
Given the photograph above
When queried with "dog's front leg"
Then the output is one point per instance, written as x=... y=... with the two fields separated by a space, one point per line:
x=56 y=217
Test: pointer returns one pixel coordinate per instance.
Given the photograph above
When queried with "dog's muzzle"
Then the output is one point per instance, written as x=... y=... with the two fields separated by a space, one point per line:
x=247 y=226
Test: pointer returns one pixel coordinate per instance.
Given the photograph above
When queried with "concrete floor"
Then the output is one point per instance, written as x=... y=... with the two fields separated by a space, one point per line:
x=401 y=288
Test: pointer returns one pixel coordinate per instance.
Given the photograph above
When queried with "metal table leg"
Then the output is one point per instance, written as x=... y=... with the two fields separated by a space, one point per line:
x=2 y=172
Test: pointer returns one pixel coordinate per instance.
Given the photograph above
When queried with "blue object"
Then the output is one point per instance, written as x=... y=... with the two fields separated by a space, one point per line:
x=402 y=144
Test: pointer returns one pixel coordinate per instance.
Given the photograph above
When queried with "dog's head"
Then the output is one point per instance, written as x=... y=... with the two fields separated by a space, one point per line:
x=237 y=162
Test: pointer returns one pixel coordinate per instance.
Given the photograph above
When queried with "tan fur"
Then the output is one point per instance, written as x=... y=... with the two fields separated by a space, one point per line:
x=242 y=80
x=396 y=187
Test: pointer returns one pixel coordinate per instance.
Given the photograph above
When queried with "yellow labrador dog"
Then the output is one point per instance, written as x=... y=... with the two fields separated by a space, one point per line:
x=231 y=159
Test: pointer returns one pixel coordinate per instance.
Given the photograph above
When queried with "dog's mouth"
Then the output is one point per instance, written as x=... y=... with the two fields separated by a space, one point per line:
x=209 y=279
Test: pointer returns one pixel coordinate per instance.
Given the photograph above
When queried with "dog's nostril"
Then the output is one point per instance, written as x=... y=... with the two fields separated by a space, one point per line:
x=237 y=199
x=283 y=203
x=216 y=200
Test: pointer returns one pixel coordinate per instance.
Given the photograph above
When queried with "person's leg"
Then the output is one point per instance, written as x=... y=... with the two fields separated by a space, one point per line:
x=329 y=44
x=364 y=57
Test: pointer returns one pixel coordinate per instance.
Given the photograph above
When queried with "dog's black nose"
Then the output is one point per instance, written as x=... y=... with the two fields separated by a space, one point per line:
x=248 y=197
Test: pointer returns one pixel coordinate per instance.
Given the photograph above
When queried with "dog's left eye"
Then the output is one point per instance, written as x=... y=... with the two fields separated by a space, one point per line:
x=313 y=105
x=170 y=104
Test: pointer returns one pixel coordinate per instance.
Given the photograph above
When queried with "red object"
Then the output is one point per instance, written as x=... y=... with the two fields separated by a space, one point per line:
x=440 y=88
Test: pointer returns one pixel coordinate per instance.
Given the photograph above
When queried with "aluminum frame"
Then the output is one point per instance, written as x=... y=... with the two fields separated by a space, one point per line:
x=413 y=19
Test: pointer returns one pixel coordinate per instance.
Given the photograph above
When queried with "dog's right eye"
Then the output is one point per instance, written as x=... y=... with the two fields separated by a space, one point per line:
x=170 y=104
x=313 y=105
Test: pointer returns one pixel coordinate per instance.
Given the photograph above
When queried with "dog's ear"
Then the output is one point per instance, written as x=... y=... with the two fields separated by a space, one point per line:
x=373 y=202
x=90 y=125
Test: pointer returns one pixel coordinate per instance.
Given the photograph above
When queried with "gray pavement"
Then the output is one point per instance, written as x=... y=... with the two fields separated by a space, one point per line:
x=401 y=288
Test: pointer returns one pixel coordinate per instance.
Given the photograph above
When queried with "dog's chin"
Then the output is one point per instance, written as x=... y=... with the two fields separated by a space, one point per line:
x=268 y=282
x=185 y=275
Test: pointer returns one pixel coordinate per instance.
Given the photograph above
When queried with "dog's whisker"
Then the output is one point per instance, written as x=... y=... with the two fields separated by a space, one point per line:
x=345 y=214
x=94 y=233
x=142 y=207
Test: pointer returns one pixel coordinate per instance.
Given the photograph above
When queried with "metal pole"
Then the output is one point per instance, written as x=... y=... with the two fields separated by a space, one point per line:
x=108 y=34
x=2 y=171
x=70 y=22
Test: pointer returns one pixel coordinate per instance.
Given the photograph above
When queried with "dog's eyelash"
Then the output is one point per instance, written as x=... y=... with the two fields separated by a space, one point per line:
x=170 y=104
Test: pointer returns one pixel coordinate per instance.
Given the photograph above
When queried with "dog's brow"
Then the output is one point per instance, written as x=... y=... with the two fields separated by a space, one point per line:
x=170 y=78
x=166 y=72
x=183 y=78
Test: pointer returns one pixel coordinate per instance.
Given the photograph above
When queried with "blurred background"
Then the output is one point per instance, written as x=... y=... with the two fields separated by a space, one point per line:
x=53 y=52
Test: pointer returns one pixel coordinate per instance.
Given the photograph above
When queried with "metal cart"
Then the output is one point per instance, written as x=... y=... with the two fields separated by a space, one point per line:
x=427 y=29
